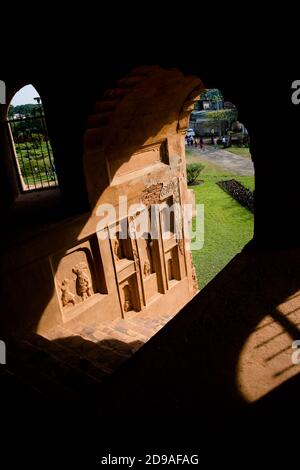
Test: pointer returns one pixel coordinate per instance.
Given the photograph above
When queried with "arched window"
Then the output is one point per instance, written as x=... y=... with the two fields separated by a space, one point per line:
x=29 y=136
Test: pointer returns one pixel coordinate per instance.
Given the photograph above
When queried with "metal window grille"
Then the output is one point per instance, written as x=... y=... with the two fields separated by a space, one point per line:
x=33 y=151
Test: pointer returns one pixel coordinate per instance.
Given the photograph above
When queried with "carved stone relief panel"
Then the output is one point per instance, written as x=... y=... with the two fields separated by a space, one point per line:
x=172 y=265
x=129 y=295
x=127 y=265
x=79 y=274
x=147 y=254
x=151 y=195
x=121 y=242
x=171 y=195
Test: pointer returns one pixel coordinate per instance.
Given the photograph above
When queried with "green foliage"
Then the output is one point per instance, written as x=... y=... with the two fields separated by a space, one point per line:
x=193 y=170
x=25 y=109
x=212 y=94
x=10 y=112
x=222 y=115
x=34 y=160
x=37 y=140
x=33 y=149
x=222 y=118
x=23 y=129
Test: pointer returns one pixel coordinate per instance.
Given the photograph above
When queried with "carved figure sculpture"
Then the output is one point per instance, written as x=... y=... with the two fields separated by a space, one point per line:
x=147 y=268
x=67 y=297
x=127 y=299
x=117 y=249
x=127 y=306
x=83 y=282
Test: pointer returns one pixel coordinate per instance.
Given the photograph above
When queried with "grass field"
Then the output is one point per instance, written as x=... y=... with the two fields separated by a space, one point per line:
x=228 y=226
x=35 y=164
x=242 y=151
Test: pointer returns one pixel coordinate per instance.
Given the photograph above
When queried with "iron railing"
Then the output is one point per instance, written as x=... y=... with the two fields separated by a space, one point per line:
x=33 y=151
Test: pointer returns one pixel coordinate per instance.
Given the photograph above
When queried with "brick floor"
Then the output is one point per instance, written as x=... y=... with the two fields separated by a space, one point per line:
x=106 y=345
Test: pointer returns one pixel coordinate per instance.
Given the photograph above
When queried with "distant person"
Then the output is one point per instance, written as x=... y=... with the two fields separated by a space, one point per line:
x=201 y=143
x=53 y=172
x=212 y=134
x=215 y=140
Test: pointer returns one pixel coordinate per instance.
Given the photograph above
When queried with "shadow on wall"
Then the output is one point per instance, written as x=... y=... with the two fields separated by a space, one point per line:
x=139 y=108
x=192 y=367
x=210 y=366
x=224 y=356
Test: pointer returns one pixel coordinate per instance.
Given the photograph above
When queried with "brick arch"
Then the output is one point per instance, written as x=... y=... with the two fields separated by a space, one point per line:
x=138 y=127
x=146 y=106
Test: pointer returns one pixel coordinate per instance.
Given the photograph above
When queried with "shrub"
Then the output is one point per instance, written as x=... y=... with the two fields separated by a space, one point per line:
x=193 y=170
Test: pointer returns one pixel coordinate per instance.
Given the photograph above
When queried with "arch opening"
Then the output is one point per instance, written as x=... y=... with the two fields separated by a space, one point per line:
x=31 y=147
x=220 y=173
x=141 y=154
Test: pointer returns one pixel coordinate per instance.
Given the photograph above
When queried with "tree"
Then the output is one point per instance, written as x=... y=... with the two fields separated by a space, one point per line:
x=10 y=112
x=212 y=94
x=222 y=118
x=26 y=109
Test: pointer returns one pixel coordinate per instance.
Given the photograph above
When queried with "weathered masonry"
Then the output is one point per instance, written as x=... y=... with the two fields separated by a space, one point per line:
x=85 y=268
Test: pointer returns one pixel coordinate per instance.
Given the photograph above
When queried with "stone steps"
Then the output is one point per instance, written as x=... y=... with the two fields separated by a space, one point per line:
x=75 y=360
x=53 y=371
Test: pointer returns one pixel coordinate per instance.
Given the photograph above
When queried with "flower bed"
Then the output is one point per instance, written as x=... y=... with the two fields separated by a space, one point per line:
x=241 y=194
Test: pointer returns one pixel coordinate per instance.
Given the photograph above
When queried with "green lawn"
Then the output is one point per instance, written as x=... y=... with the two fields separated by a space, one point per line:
x=242 y=151
x=35 y=163
x=247 y=181
x=227 y=228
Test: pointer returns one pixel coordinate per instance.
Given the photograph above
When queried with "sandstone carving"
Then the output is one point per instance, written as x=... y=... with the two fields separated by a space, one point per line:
x=127 y=306
x=167 y=190
x=67 y=297
x=83 y=283
x=117 y=249
x=151 y=194
x=127 y=299
x=147 y=268
x=135 y=255
x=180 y=243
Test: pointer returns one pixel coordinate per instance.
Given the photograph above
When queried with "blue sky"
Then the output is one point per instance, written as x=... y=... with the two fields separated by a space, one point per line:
x=25 y=96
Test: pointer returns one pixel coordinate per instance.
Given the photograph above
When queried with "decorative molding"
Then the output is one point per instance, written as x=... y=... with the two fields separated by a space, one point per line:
x=170 y=189
x=151 y=195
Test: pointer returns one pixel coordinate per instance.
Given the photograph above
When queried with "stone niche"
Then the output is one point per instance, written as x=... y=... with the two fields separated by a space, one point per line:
x=126 y=263
x=150 y=157
x=150 y=267
x=135 y=149
x=79 y=278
